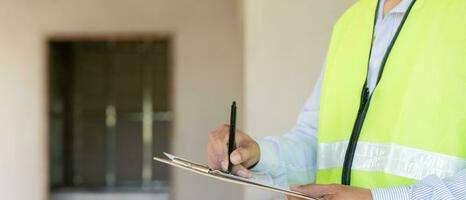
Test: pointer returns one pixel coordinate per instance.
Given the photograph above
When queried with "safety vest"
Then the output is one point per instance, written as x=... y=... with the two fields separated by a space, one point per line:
x=415 y=125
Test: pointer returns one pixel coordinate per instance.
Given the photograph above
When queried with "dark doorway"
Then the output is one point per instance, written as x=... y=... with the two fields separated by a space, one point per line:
x=110 y=113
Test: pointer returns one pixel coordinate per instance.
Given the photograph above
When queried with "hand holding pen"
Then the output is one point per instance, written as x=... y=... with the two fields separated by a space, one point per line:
x=245 y=154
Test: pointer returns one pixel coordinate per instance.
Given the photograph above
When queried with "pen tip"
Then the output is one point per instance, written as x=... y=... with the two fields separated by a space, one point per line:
x=234 y=103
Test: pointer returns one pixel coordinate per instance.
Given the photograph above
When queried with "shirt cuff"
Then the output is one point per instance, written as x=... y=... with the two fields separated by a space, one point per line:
x=400 y=193
x=268 y=160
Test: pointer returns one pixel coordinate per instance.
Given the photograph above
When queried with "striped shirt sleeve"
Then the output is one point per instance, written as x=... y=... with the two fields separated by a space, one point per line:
x=432 y=188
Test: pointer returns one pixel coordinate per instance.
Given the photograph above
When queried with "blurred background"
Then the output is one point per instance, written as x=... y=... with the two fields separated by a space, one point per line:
x=90 y=90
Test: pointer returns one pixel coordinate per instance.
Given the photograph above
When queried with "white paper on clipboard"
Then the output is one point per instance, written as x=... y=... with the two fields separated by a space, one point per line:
x=219 y=175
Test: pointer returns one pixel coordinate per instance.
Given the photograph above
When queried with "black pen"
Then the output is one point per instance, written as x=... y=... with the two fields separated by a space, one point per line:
x=231 y=136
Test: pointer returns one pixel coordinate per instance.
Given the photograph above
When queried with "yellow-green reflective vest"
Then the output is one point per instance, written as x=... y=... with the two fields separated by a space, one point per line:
x=416 y=122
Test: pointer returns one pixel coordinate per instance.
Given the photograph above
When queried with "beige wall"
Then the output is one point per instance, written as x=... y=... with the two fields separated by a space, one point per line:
x=208 y=75
x=285 y=48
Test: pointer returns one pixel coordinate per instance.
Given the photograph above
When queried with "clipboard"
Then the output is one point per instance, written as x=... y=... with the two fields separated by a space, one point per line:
x=219 y=175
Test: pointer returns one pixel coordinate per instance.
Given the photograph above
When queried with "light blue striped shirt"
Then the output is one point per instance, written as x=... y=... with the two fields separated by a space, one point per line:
x=291 y=158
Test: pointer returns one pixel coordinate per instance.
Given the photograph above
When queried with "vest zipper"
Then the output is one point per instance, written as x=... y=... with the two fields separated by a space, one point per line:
x=363 y=107
x=366 y=99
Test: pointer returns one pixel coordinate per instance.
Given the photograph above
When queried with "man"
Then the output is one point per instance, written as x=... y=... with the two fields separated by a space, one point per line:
x=391 y=108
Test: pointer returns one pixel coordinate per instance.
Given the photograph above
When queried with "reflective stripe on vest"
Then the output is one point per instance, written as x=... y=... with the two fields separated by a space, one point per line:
x=391 y=159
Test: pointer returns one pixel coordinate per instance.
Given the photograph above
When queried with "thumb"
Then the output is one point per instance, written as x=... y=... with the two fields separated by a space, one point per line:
x=240 y=155
x=313 y=190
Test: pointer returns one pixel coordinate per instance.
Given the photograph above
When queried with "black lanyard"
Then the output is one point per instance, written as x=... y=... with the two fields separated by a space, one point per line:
x=366 y=98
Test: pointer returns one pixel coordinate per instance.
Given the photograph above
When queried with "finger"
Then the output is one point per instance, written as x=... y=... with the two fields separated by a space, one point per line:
x=314 y=189
x=288 y=197
x=239 y=170
x=217 y=150
x=221 y=133
x=217 y=158
x=225 y=130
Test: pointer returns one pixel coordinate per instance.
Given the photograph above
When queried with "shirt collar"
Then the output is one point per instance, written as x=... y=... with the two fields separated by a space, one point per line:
x=401 y=8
